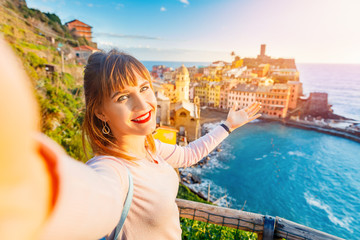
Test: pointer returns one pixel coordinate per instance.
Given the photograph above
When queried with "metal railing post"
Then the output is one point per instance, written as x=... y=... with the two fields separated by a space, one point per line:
x=269 y=228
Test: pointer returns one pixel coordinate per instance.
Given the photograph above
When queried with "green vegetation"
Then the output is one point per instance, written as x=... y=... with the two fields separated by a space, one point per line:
x=34 y=46
x=49 y=18
x=62 y=113
x=200 y=230
x=185 y=193
x=7 y=29
x=192 y=229
x=60 y=97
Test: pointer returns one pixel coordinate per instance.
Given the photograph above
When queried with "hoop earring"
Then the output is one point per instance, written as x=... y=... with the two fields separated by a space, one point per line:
x=105 y=130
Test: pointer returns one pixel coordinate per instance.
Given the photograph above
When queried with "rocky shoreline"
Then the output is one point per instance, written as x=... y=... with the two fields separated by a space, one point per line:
x=323 y=128
x=216 y=115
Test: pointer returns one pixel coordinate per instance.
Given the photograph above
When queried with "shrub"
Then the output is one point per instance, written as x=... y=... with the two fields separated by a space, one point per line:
x=34 y=60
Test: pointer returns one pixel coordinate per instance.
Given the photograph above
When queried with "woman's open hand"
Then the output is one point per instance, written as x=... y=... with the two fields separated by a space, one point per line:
x=238 y=118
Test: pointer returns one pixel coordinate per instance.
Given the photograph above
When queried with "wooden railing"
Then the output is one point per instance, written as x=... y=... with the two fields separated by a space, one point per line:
x=266 y=227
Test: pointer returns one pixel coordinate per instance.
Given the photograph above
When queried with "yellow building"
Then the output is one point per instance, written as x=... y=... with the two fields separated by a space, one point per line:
x=201 y=92
x=169 y=91
x=208 y=93
x=185 y=117
x=182 y=82
x=166 y=134
x=213 y=94
x=237 y=62
x=211 y=78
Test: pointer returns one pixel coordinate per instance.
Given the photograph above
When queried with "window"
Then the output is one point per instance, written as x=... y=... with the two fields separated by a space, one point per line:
x=183 y=114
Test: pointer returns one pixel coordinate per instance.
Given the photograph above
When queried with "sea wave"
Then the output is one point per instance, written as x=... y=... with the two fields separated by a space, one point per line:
x=217 y=161
x=296 y=153
x=344 y=223
x=216 y=192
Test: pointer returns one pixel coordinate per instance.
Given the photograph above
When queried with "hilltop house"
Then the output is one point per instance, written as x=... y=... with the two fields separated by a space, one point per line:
x=80 y=29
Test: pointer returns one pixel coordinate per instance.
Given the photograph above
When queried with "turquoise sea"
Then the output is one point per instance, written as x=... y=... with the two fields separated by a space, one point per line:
x=304 y=176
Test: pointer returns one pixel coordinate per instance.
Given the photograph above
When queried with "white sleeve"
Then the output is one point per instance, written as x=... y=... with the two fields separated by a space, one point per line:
x=178 y=156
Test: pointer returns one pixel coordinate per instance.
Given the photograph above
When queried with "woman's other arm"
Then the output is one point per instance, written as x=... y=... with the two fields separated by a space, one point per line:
x=178 y=156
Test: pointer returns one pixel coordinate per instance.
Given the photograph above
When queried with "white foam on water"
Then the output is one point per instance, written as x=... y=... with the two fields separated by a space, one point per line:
x=209 y=126
x=344 y=223
x=296 y=153
x=216 y=192
x=276 y=153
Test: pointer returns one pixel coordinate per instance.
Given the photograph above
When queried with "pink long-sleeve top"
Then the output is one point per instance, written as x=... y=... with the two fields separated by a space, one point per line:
x=91 y=197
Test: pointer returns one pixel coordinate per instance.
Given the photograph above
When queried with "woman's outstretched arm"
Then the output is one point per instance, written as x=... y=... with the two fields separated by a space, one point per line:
x=87 y=200
x=178 y=156
x=45 y=194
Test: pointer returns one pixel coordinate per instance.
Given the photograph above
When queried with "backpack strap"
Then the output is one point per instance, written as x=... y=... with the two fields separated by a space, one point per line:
x=127 y=204
x=126 y=207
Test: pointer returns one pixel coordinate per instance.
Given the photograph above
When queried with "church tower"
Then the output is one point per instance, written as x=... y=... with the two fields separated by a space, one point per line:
x=182 y=82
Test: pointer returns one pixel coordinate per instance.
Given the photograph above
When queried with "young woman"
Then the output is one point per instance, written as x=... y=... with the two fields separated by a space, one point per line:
x=85 y=202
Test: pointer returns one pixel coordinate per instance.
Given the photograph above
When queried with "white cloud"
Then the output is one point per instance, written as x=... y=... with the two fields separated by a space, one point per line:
x=162 y=9
x=186 y=2
x=90 y=5
x=119 y=6
x=116 y=35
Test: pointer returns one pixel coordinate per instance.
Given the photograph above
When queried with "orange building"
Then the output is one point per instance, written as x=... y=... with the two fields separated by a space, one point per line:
x=262 y=70
x=274 y=100
x=80 y=29
x=295 y=93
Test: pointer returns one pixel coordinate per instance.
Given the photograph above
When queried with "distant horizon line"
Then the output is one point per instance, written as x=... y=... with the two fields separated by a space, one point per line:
x=330 y=63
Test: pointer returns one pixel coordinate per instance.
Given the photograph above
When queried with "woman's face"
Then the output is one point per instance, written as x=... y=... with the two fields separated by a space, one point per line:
x=130 y=111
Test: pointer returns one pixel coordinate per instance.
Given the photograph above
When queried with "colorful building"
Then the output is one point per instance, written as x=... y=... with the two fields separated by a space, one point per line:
x=169 y=91
x=262 y=70
x=163 y=109
x=185 y=117
x=295 y=92
x=83 y=53
x=182 y=82
x=166 y=134
x=283 y=75
x=208 y=93
x=224 y=92
x=243 y=94
x=274 y=100
x=80 y=29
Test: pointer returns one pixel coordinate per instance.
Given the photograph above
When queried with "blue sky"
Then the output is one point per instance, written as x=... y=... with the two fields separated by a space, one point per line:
x=323 y=31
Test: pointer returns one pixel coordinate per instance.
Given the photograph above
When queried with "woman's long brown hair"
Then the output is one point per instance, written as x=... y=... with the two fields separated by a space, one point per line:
x=104 y=73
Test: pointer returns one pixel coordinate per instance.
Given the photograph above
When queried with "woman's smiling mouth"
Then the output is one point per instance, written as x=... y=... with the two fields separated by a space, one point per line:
x=143 y=118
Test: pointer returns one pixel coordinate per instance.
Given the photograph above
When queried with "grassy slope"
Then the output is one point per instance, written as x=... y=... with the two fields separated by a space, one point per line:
x=60 y=97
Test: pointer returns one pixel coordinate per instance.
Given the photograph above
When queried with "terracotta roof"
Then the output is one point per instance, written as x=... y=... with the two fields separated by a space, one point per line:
x=85 y=48
x=75 y=20
x=245 y=88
